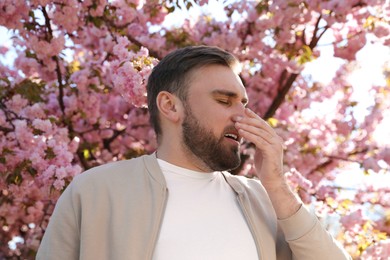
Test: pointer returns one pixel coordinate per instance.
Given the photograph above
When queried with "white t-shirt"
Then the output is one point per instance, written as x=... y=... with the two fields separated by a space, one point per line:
x=203 y=219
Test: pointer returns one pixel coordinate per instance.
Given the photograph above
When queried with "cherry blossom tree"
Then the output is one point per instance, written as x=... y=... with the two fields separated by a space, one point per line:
x=74 y=98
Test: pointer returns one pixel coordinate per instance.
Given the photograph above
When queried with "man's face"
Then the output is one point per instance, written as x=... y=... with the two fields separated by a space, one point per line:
x=209 y=148
x=216 y=96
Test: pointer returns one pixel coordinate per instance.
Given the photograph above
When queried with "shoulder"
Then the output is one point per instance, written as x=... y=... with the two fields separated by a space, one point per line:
x=115 y=175
x=112 y=183
x=111 y=169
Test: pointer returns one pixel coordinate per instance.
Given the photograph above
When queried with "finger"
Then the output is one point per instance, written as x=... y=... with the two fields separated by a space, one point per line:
x=260 y=142
x=251 y=114
x=256 y=140
x=255 y=130
x=257 y=123
x=255 y=120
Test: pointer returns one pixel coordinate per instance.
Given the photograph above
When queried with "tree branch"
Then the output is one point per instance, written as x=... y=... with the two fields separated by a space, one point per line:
x=132 y=39
x=49 y=37
x=6 y=130
x=281 y=94
x=49 y=34
x=342 y=159
x=339 y=41
x=108 y=141
x=334 y=157
x=292 y=77
x=314 y=39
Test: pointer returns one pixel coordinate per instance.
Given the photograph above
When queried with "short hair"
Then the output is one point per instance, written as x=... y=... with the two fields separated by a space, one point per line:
x=173 y=73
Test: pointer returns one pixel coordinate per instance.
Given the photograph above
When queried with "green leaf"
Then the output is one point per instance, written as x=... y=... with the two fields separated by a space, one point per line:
x=97 y=21
x=30 y=90
x=30 y=54
x=32 y=171
x=93 y=87
x=262 y=6
x=31 y=14
x=4 y=88
x=50 y=153
x=7 y=151
x=16 y=176
x=37 y=132
x=53 y=119
x=306 y=56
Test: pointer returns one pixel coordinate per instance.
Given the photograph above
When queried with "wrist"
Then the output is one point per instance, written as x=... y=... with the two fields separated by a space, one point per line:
x=284 y=201
x=275 y=184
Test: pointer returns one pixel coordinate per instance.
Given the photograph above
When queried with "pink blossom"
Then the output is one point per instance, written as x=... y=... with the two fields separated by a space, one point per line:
x=66 y=16
x=60 y=173
x=298 y=180
x=34 y=111
x=43 y=125
x=343 y=128
x=59 y=184
x=381 y=29
x=13 y=13
x=98 y=8
x=3 y=50
x=354 y=44
x=130 y=72
x=352 y=219
x=371 y=164
x=135 y=29
x=44 y=49
x=120 y=49
x=17 y=103
x=385 y=155
x=325 y=191
x=379 y=250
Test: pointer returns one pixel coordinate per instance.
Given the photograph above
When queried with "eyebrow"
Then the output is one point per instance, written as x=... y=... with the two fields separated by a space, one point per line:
x=229 y=94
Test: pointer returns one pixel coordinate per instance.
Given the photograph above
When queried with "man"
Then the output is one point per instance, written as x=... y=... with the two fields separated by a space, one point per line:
x=180 y=203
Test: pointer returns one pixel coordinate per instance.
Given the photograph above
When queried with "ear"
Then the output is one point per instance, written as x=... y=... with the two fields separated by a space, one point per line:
x=169 y=105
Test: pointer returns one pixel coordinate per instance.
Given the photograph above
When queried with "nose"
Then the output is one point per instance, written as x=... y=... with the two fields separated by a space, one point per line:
x=239 y=112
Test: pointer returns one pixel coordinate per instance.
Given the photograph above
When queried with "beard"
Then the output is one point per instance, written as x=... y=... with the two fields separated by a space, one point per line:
x=207 y=147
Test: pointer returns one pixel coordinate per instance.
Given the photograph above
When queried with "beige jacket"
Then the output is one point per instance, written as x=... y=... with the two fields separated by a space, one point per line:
x=114 y=211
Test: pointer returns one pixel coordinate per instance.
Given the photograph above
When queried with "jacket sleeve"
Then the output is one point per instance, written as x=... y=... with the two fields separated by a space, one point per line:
x=61 y=239
x=308 y=239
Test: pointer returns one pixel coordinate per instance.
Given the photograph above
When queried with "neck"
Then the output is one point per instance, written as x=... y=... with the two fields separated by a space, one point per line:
x=180 y=156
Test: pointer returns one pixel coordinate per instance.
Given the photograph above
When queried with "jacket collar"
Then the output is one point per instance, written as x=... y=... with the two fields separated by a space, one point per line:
x=234 y=182
x=154 y=170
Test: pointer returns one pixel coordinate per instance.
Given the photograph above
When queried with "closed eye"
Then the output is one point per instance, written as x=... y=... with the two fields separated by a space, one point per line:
x=224 y=102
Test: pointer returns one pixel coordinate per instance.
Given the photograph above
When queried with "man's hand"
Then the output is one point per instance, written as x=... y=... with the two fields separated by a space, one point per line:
x=269 y=162
x=269 y=148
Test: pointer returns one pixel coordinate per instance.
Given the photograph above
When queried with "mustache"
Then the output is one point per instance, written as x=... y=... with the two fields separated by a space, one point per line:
x=231 y=129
